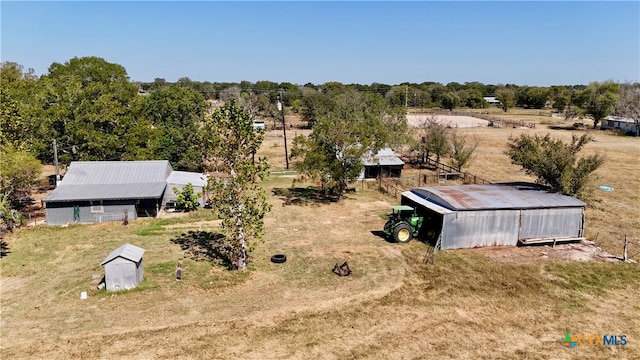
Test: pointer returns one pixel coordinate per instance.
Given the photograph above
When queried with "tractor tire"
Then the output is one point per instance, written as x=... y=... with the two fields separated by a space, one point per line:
x=388 y=226
x=402 y=233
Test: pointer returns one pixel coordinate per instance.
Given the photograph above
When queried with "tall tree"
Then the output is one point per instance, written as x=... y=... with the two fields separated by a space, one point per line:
x=462 y=150
x=19 y=170
x=355 y=123
x=177 y=112
x=560 y=97
x=450 y=100
x=240 y=202
x=507 y=98
x=89 y=105
x=20 y=127
x=434 y=138
x=555 y=163
x=599 y=100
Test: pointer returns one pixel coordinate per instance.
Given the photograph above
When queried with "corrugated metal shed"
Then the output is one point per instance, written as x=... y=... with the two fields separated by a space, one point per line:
x=112 y=180
x=497 y=214
x=123 y=268
x=496 y=196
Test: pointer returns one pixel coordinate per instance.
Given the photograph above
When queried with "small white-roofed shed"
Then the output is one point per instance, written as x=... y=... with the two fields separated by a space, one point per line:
x=123 y=268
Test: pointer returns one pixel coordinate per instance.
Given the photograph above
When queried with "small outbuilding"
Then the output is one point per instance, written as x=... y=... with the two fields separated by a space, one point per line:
x=178 y=180
x=123 y=268
x=620 y=123
x=468 y=216
x=384 y=163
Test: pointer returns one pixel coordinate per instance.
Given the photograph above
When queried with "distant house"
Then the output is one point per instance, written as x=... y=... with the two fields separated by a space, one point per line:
x=104 y=191
x=492 y=100
x=384 y=163
x=620 y=123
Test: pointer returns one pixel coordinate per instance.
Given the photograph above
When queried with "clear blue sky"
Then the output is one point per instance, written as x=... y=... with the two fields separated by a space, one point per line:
x=524 y=43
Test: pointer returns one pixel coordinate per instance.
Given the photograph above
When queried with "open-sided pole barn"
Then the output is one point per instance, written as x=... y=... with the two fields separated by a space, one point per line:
x=468 y=216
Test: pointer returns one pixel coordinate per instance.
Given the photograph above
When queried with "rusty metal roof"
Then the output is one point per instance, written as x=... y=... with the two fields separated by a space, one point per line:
x=496 y=196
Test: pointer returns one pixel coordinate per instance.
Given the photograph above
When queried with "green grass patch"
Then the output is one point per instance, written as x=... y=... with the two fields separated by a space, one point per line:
x=593 y=277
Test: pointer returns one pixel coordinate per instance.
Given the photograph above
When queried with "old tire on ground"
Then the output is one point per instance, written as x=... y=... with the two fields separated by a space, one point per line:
x=402 y=233
x=279 y=258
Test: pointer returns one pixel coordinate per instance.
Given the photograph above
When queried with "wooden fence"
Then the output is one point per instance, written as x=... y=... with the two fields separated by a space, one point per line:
x=395 y=186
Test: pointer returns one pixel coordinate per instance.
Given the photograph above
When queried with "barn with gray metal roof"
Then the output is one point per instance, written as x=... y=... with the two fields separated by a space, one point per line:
x=103 y=191
x=468 y=216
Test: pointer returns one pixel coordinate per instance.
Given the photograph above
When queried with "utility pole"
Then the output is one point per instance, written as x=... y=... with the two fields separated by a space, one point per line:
x=284 y=128
x=55 y=161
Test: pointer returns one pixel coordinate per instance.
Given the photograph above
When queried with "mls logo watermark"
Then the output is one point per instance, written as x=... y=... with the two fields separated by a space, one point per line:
x=594 y=340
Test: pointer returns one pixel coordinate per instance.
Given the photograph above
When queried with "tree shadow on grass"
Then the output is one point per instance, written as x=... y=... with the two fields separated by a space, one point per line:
x=207 y=246
x=584 y=128
x=311 y=195
x=4 y=249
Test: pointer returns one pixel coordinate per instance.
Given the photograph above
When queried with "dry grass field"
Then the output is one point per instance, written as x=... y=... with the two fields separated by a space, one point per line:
x=470 y=304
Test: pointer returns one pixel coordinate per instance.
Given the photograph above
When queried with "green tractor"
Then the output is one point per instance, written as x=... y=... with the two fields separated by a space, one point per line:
x=403 y=224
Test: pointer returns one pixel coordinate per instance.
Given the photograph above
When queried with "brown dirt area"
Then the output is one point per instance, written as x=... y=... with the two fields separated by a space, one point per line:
x=577 y=251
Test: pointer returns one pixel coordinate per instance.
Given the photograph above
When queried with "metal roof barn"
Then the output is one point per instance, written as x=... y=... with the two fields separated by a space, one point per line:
x=112 y=180
x=103 y=191
x=123 y=268
x=468 y=216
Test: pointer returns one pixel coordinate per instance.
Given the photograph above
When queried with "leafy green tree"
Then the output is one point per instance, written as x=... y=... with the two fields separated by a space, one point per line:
x=477 y=101
x=507 y=98
x=599 y=100
x=19 y=170
x=315 y=106
x=461 y=150
x=396 y=96
x=450 y=100
x=560 y=97
x=177 y=112
x=230 y=145
x=187 y=198
x=19 y=125
x=434 y=139
x=537 y=97
x=260 y=106
x=353 y=124
x=555 y=163
x=88 y=105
